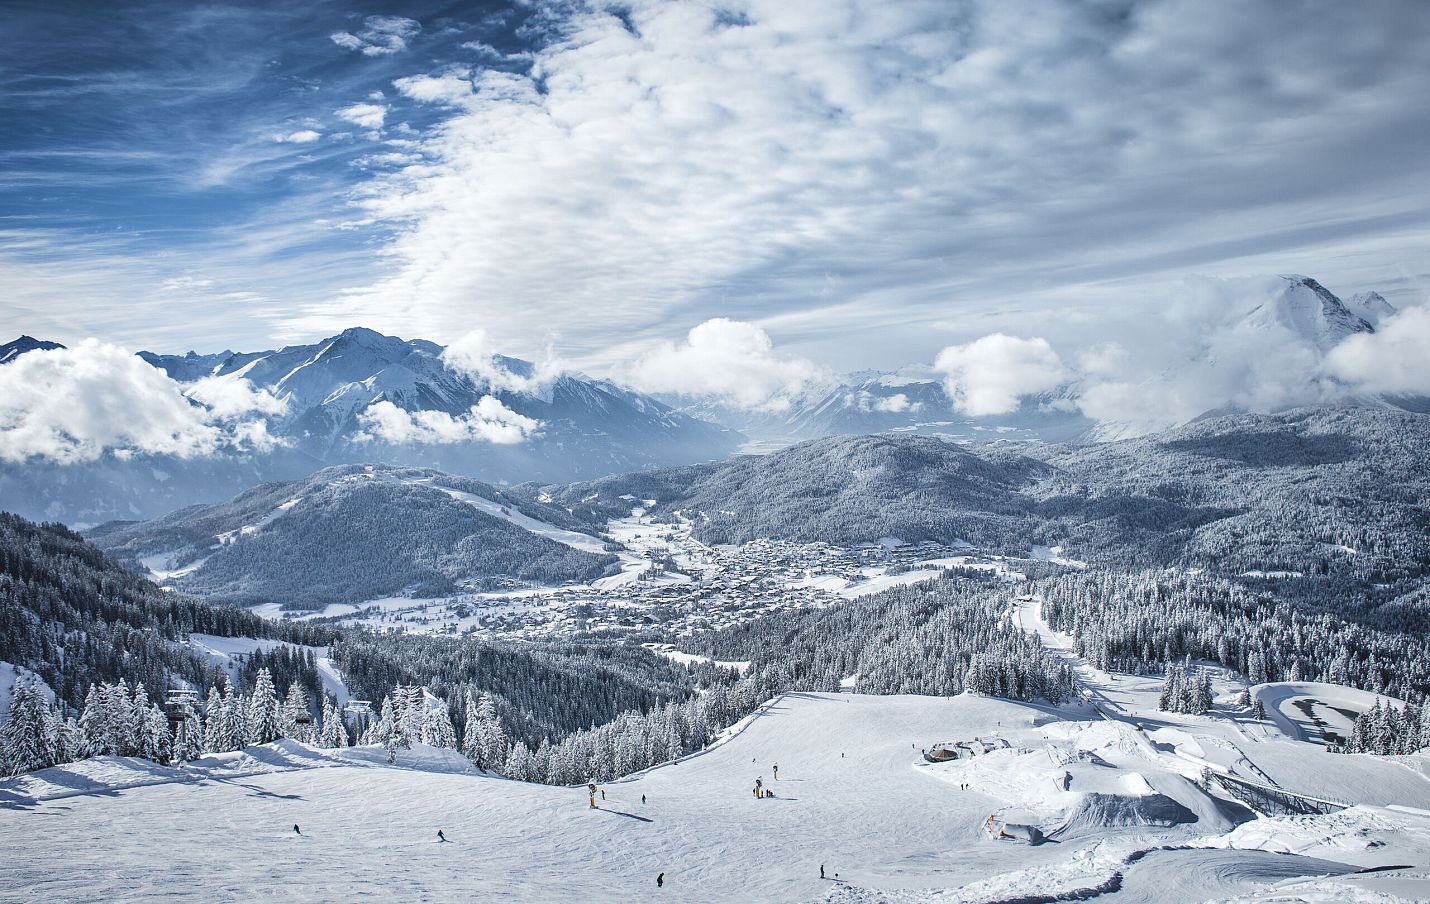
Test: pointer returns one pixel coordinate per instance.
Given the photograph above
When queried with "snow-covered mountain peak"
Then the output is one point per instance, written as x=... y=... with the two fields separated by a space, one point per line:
x=1309 y=311
x=14 y=349
x=1371 y=306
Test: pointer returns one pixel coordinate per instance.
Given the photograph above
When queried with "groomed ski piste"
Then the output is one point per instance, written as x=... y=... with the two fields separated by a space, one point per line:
x=1117 y=814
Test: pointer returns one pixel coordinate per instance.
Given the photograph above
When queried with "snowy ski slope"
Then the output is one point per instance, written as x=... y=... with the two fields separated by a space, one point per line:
x=854 y=794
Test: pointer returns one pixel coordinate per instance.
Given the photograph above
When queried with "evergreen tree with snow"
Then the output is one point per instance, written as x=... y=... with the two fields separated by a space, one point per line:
x=70 y=741
x=485 y=741
x=334 y=732
x=263 y=709
x=236 y=730
x=520 y=765
x=92 y=728
x=471 y=733
x=437 y=729
x=390 y=731
x=215 y=724
x=294 y=715
x=154 y=741
x=1171 y=690
x=28 y=738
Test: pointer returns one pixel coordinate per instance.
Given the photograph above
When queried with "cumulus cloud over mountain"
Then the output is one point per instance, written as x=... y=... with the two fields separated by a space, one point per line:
x=730 y=361
x=70 y=405
x=487 y=421
x=1256 y=344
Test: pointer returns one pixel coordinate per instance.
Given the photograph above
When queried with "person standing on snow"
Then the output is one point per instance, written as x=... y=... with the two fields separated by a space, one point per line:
x=660 y=881
x=777 y=771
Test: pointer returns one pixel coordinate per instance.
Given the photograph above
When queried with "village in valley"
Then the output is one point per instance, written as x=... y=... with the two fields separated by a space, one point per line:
x=670 y=581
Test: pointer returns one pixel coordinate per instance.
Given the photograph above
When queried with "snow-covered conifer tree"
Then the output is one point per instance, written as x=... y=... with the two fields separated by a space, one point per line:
x=237 y=733
x=28 y=738
x=293 y=711
x=153 y=741
x=437 y=728
x=263 y=725
x=215 y=723
x=519 y=763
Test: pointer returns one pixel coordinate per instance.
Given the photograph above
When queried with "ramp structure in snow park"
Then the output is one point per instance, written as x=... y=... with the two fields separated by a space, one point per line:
x=1270 y=800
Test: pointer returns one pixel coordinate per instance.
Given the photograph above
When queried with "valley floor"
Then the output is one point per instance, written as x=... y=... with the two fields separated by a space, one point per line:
x=854 y=794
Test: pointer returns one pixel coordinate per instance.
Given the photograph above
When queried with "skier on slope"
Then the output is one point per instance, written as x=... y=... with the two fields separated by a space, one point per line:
x=440 y=837
x=296 y=830
x=660 y=881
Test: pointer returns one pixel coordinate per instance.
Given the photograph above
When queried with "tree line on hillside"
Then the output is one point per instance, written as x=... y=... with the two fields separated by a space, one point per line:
x=1140 y=623
x=941 y=636
x=77 y=618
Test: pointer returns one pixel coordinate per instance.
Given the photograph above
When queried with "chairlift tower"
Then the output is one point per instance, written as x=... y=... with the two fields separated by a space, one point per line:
x=361 y=711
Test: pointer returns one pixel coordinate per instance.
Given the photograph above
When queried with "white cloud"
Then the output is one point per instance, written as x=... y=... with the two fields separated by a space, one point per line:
x=1210 y=344
x=475 y=355
x=232 y=397
x=185 y=284
x=488 y=421
x=380 y=35
x=302 y=136
x=1394 y=359
x=673 y=161
x=453 y=88
x=729 y=360
x=77 y=404
x=894 y=404
x=369 y=116
x=991 y=375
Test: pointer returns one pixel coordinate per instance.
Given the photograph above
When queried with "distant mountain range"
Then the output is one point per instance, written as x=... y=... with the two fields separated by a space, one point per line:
x=575 y=427
x=585 y=428
x=914 y=399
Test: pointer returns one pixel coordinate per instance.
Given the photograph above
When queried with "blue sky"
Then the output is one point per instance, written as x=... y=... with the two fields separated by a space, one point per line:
x=861 y=183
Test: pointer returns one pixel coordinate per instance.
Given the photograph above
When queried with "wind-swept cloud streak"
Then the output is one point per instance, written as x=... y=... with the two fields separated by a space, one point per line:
x=886 y=163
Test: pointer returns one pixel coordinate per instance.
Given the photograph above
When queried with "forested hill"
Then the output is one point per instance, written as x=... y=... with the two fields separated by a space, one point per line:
x=1325 y=501
x=842 y=490
x=351 y=533
x=1315 y=491
x=76 y=617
